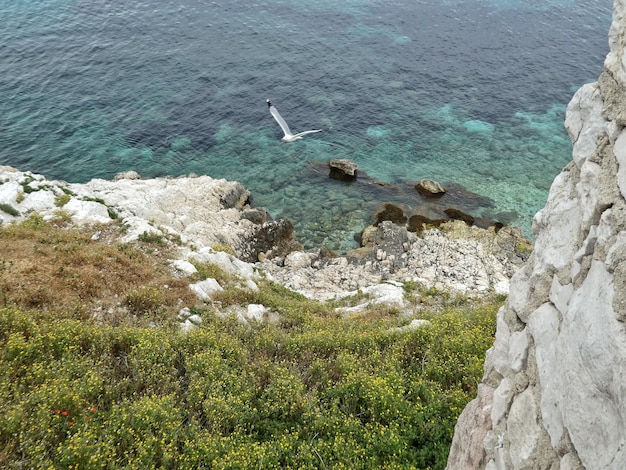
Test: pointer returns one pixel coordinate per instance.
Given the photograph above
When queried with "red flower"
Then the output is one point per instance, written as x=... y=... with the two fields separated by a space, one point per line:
x=71 y=423
x=64 y=413
x=93 y=410
x=57 y=411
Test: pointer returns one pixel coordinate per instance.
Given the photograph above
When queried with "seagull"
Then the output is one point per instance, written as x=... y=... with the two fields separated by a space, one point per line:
x=289 y=137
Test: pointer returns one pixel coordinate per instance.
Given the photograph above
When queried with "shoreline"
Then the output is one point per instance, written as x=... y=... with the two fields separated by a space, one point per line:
x=205 y=213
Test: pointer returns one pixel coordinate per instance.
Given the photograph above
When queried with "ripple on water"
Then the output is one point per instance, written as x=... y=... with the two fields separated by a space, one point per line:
x=468 y=92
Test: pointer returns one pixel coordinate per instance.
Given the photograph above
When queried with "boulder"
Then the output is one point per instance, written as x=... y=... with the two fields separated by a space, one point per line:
x=343 y=169
x=386 y=244
x=430 y=188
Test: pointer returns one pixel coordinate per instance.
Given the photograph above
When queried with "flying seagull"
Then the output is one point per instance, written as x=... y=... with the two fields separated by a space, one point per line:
x=289 y=137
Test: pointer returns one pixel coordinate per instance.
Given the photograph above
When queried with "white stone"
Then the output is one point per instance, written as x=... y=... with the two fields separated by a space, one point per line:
x=87 y=212
x=592 y=350
x=188 y=326
x=38 y=201
x=195 y=319
x=502 y=398
x=206 y=289
x=225 y=261
x=250 y=284
x=518 y=350
x=298 y=260
x=135 y=227
x=570 y=462
x=616 y=60
x=500 y=350
x=255 y=312
x=523 y=430
x=9 y=192
x=560 y=295
x=502 y=287
x=561 y=218
x=184 y=267
x=584 y=121
x=544 y=326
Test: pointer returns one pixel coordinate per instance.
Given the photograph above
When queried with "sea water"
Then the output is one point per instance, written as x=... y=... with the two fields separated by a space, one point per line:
x=466 y=92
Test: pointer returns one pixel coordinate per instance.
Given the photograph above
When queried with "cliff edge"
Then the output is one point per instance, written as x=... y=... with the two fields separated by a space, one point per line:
x=554 y=390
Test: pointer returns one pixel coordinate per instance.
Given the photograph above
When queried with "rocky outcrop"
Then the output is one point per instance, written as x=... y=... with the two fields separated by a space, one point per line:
x=204 y=214
x=455 y=257
x=198 y=209
x=553 y=393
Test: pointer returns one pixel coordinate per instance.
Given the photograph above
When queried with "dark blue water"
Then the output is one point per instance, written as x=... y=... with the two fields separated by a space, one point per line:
x=470 y=92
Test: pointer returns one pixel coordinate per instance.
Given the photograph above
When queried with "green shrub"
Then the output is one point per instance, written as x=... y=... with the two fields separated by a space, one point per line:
x=62 y=199
x=151 y=237
x=315 y=392
x=143 y=300
x=8 y=209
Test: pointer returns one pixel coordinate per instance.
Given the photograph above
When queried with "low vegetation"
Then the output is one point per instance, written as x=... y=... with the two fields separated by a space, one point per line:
x=96 y=373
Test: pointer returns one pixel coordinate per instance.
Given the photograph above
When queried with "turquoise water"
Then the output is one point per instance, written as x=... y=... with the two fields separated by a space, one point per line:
x=466 y=92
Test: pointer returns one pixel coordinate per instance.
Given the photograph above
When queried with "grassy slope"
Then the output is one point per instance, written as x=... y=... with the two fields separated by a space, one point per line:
x=125 y=389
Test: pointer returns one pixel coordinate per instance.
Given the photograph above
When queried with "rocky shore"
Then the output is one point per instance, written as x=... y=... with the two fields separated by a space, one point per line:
x=211 y=215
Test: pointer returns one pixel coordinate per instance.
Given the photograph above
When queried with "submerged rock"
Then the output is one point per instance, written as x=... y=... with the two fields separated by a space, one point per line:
x=391 y=212
x=458 y=214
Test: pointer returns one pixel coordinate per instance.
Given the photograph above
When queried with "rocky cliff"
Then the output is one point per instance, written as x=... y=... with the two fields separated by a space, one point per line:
x=554 y=389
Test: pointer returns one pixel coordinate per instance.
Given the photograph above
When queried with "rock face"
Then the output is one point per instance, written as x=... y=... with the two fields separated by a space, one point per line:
x=554 y=390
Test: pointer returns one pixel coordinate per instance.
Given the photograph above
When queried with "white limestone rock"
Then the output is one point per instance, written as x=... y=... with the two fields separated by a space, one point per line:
x=584 y=121
x=620 y=153
x=592 y=341
x=544 y=328
x=523 y=431
x=518 y=350
x=206 y=289
x=255 y=312
x=87 y=212
x=184 y=267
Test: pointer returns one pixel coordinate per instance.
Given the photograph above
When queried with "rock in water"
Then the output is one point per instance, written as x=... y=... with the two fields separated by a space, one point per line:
x=430 y=188
x=391 y=212
x=343 y=170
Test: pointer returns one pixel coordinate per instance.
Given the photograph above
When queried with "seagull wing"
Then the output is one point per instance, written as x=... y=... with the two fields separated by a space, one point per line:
x=279 y=119
x=300 y=134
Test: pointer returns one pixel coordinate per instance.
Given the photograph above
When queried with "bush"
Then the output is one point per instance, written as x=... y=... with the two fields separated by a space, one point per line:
x=8 y=209
x=318 y=393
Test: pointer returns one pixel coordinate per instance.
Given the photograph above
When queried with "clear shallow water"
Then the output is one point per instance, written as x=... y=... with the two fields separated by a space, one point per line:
x=470 y=92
